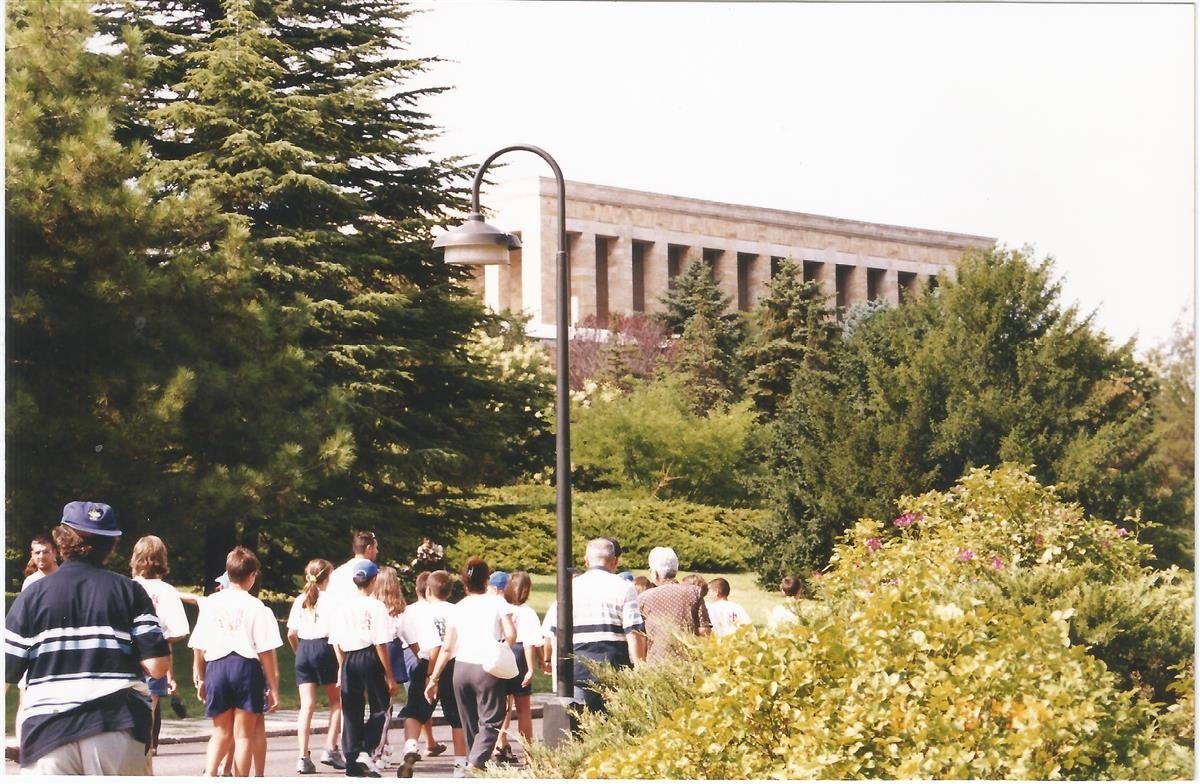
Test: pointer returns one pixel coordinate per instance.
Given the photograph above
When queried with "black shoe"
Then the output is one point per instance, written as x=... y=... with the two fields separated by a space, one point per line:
x=178 y=707
x=354 y=770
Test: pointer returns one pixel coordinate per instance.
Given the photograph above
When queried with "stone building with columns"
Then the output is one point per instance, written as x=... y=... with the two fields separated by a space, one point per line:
x=626 y=246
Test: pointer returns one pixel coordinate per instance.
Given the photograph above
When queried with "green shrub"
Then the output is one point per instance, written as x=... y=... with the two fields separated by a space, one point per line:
x=650 y=440
x=515 y=528
x=945 y=644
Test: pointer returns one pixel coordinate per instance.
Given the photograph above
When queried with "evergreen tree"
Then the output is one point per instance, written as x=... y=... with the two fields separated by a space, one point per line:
x=989 y=369
x=794 y=329
x=294 y=115
x=1174 y=503
x=710 y=337
x=139 y=352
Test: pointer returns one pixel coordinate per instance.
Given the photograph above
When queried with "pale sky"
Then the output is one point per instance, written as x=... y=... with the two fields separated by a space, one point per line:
x=1068 y=128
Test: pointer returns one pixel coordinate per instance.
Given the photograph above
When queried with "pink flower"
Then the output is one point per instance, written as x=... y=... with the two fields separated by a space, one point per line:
x=1122 y=532
x=1037 y=540
x=997 y=563
x=906 y=520
x=873 y=545
x=966 y=555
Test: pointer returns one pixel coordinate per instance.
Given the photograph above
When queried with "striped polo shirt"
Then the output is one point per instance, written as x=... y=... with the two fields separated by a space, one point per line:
x=80 y=634
x=605 y=612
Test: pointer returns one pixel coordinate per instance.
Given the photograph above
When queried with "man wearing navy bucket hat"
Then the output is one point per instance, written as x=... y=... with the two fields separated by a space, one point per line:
x=86 y=637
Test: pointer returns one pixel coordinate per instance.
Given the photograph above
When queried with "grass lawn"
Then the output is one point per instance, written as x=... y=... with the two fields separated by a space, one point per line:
x=743 y=590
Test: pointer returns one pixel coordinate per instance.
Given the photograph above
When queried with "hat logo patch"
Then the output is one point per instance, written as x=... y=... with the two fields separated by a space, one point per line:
x=94 y=515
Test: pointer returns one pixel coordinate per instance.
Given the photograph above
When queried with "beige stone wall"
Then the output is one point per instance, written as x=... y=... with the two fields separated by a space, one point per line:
x=727 y=230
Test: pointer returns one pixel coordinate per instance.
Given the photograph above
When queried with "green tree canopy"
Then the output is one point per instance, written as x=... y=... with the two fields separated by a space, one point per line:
x=139 y=351
x=987 y=369
x=793 y=330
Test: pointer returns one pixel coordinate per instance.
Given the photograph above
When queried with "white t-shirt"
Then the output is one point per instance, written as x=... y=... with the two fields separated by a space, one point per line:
x=31 y=578
x=548 y=622
x=781 y=614
x=341 y=586
x=360 y=623
x=233 y=621
x=411 y=619
x=167 y=606
x=431 y=626
x=529 y=628
x=477 y=621
x=726 y=616
x=310 y=623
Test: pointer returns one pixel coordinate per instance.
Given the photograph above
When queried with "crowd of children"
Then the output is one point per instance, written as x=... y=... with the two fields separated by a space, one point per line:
x=357 y=640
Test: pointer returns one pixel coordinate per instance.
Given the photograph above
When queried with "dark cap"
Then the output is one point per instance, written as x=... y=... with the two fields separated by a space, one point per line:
x=91 y=517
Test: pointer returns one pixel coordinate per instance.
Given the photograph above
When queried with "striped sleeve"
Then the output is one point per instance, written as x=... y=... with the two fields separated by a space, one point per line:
x=16 y=644
x=631 y=613
x=148 y=640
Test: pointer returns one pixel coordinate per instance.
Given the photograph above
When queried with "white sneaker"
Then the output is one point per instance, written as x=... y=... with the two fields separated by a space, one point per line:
x=372 y=770
x=460 y=771
x=385 y=757
x=412 y=756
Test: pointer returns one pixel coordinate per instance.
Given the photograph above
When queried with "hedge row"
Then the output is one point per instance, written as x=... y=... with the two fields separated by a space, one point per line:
x=514 y=528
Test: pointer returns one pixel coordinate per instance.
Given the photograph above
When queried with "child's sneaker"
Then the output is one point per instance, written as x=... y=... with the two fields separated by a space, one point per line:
x=436 y=749
x=305 y=765
x=411 y=757
x=368 y=766
x=333 y=758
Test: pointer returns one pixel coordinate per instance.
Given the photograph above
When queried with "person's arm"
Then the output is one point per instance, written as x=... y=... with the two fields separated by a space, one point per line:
x=381 y=650
x=703 y=622
x=293 y=638
x=198 y=667
x=636 y=642
x=270 y=665
x=340 y=655
x=508 y=629
x=533 y=656
x=443 y=654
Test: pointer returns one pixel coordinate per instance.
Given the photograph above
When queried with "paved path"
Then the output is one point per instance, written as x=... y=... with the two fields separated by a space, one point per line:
x=182 y=745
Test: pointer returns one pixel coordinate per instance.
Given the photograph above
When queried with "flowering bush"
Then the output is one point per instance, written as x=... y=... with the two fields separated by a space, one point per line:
x=942 y=645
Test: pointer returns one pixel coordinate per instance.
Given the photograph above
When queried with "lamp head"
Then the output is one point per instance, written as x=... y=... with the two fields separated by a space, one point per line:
x=476 y=242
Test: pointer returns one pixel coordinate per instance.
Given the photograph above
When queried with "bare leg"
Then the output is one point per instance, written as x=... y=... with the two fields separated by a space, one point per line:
x=334 y=739
x=524 y=718
x=459 y=738
x=245 y=726
x=220 y=743
x=308 y=705
x=260 y=745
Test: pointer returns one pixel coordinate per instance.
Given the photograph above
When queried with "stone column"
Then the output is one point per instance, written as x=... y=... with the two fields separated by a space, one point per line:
x=655 y=264
x=725 y=274
x=759 y=278
x=583 y=275
x=889 y=291
x=857 y=289
x=827 y=281
x=620 y=274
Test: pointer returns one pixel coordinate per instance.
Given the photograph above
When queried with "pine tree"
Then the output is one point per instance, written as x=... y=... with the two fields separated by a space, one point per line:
x=294 y=115
x=710 y=337
x=794 y=330
x=140 y=354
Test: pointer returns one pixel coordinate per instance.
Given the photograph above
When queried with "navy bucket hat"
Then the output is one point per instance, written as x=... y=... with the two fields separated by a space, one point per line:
x=91 y=517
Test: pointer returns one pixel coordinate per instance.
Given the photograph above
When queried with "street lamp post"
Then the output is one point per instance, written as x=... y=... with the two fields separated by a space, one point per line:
x=476 y=243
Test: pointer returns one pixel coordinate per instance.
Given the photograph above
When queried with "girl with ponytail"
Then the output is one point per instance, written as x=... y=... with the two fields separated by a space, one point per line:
x=316 y=665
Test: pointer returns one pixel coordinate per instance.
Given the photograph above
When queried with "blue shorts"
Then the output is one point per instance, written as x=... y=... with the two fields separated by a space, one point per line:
x=234 y=681
x=513 y=685
x=316 y=662
x=159 y=687
x=417 y=707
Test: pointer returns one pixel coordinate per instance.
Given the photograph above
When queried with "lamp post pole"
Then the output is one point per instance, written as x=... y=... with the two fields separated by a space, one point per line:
x=565 y=682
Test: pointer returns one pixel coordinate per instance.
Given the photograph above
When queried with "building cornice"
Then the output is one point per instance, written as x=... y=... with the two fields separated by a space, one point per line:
x=626 y=198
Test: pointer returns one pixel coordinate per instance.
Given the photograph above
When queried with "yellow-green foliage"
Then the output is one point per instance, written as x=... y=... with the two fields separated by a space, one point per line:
x=919 y=659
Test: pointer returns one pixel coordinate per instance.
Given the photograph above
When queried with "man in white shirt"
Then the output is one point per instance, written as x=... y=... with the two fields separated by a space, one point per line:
x=607 y=623
x=364 y=545
x=43 y=559
x=726 y=616
x=785 y=613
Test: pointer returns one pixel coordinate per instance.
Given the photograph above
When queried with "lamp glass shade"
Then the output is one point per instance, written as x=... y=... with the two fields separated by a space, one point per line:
x=479 y=254
x=476 y=243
